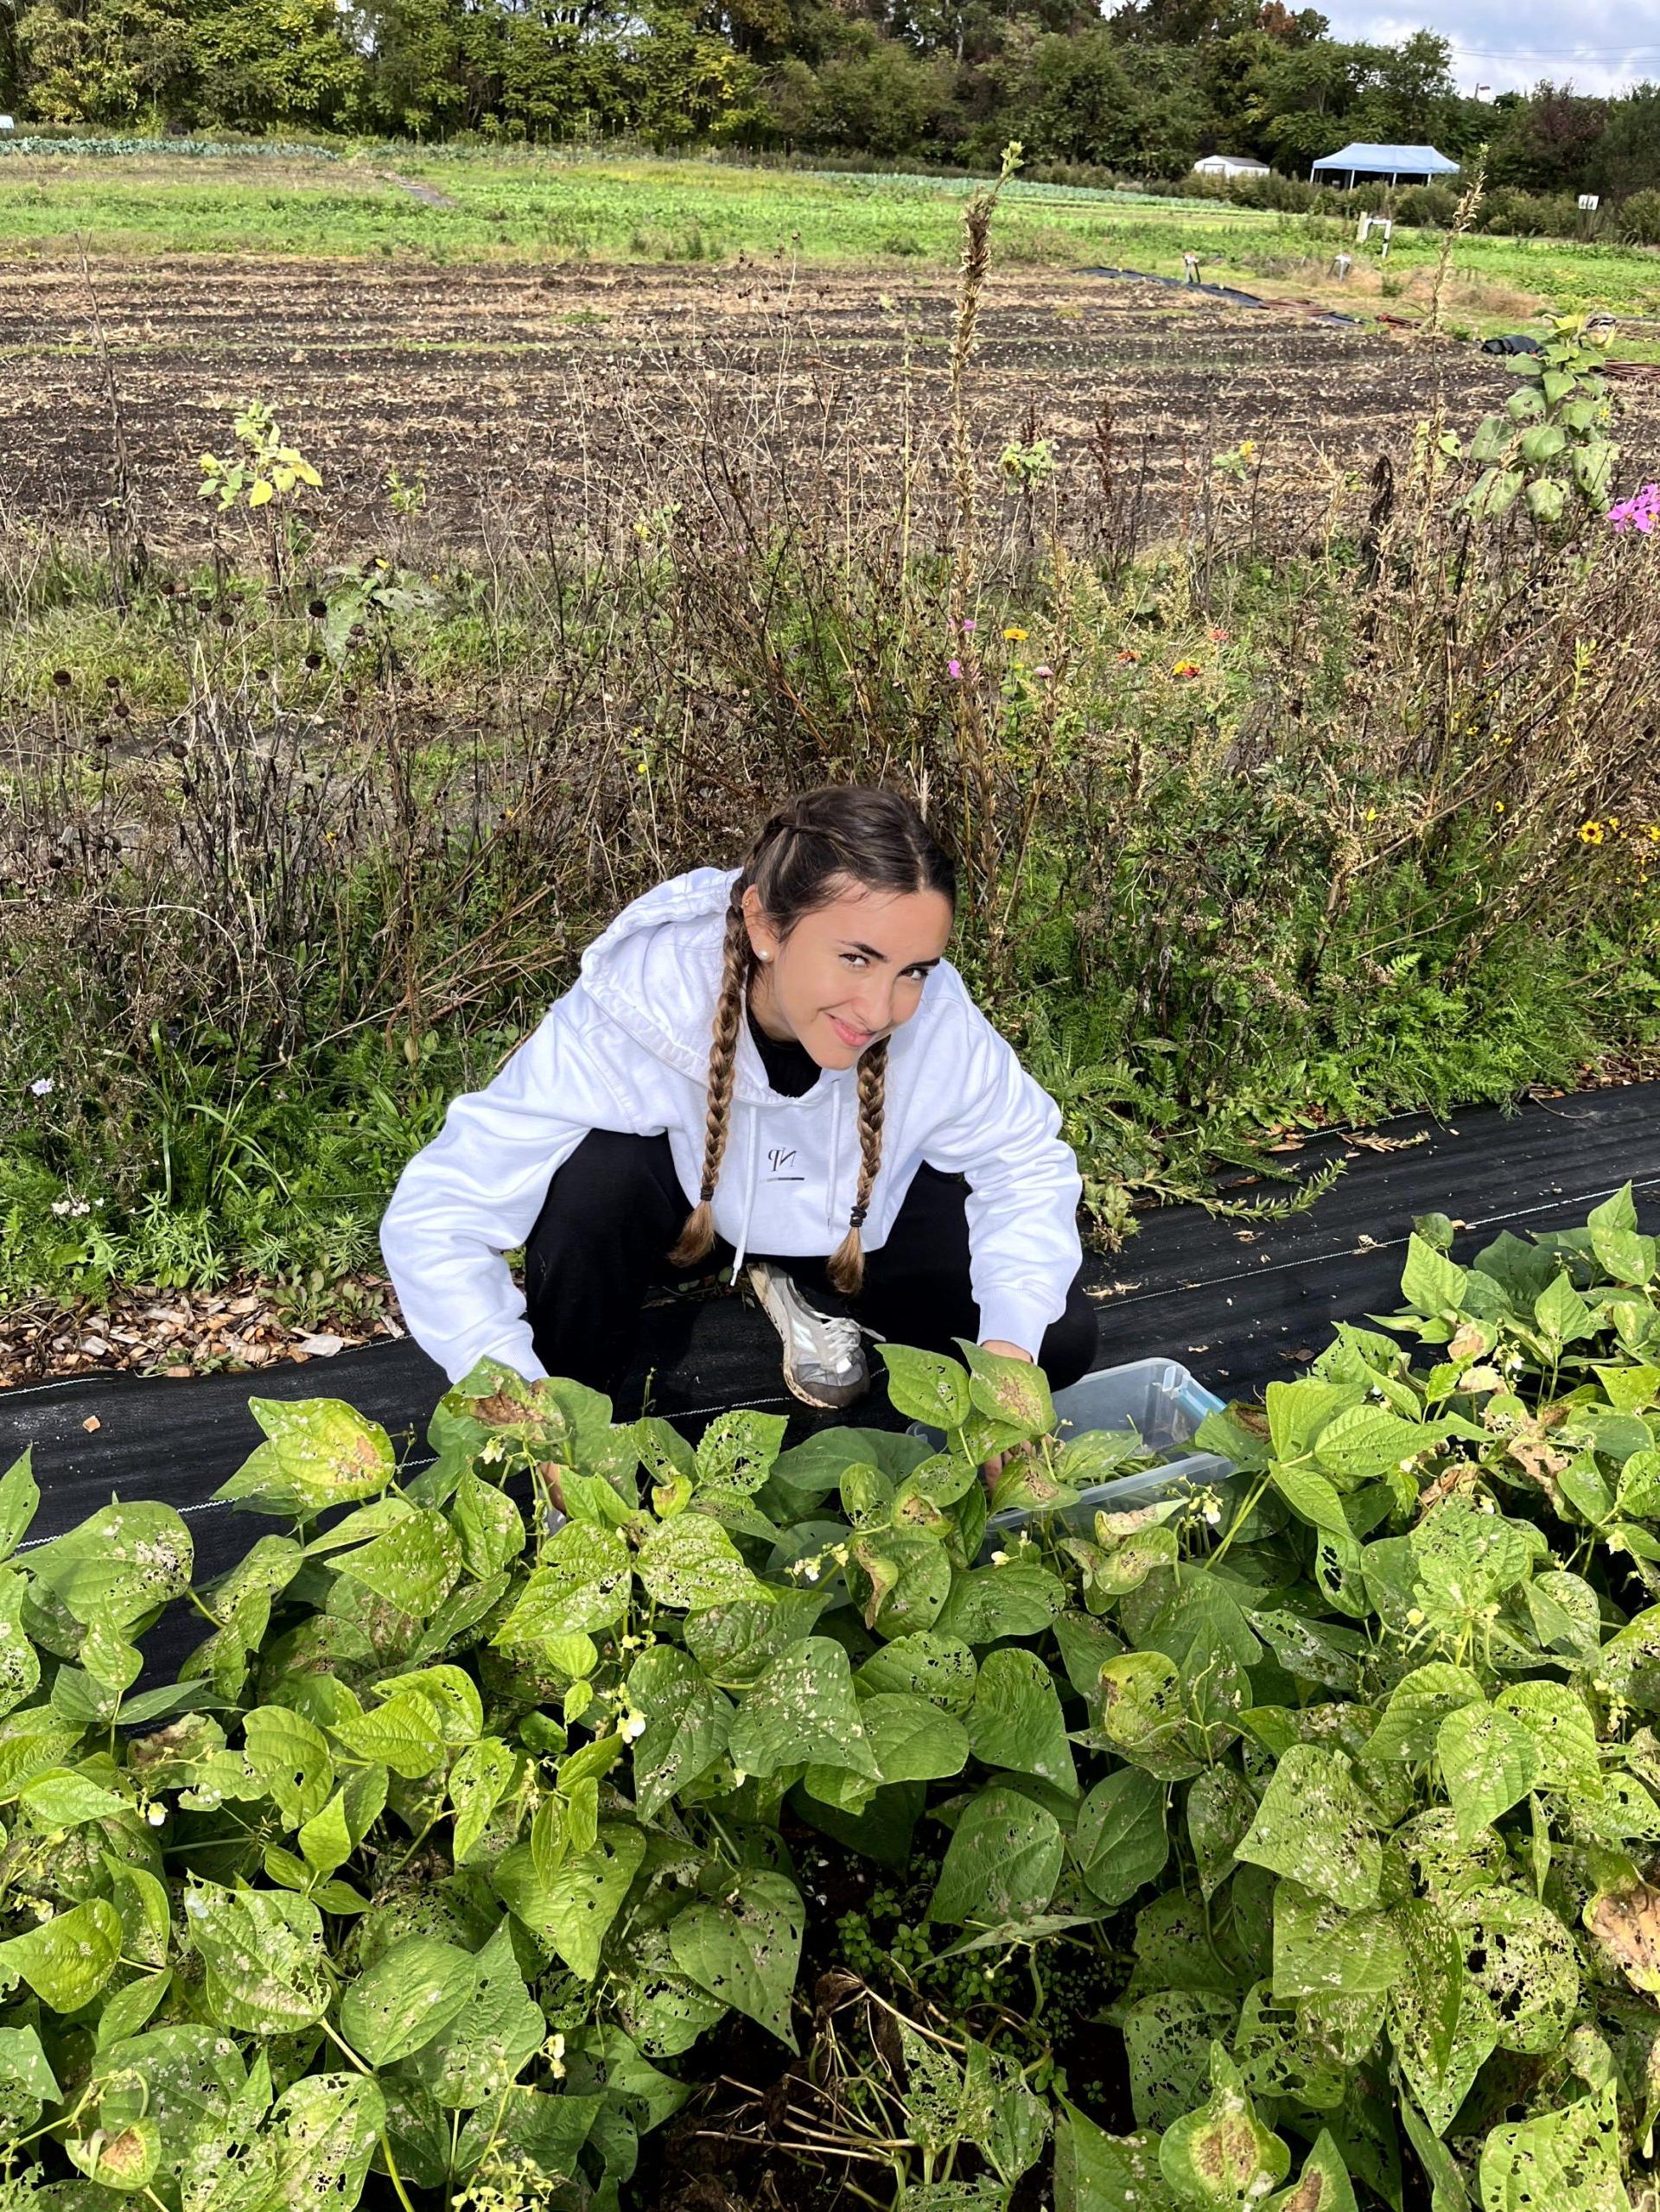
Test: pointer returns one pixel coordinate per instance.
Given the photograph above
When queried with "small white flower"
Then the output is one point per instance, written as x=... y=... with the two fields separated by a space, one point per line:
x=156 y=1815
x=633 y=1727
x=43 y=1085
x=1000 y=1559
x=809 y=1568
x=60 y=1205
x=1213 y=1515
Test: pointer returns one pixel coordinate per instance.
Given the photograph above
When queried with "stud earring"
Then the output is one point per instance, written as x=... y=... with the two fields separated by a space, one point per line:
x=763 y=956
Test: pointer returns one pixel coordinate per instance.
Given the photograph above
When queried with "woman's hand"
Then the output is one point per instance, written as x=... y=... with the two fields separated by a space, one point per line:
x=990 y=1469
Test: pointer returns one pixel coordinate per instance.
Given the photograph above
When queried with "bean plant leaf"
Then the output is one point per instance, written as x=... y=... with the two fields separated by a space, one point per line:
x=319 y=1452
x=1322 y=1950
x=734 y=1643
x=414 y=1565
x=1120 y=1841
x=582 y=1585
x=1221 y=1806
x=66 y=1960
x=1098 y=2172
x=914 y=1740
x=1439 y=2022
x=1313 y=1826
x=125 y=1562
x=925 y=1664
x=690 y=1563
x=1323 y=2185
x=1002 y=1864
x=262 y=1951
x=803 y=1711
x=1222 y=2155
x=1015 y=1720
x=408 y=1996
x=485 y=2047
x=991 y=1602
x=1562 y=2161
x=325 y=2127
x=745 y=1947
x=1418 y=1704
x=20 y=1497
x=687 y=1724
x=1489 y=1762
x=926 y=1386
x=573 y=1912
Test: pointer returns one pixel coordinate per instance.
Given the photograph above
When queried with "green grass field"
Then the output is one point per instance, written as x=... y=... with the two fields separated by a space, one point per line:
x=548 y=207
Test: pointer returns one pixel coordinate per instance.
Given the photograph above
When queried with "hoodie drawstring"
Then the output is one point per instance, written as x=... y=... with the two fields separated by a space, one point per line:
x=754 y=1176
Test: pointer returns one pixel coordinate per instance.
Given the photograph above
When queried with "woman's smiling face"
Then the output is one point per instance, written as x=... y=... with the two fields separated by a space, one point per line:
x=849 y=972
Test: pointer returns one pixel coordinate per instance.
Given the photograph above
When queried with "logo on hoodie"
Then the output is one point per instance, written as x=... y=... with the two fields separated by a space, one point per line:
x=777 y=1159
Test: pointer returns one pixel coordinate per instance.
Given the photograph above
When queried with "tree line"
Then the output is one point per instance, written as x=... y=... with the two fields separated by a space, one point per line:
x=1143 y=91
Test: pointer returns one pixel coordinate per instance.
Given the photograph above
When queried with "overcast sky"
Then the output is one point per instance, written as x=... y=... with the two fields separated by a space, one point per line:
x=1601 y=45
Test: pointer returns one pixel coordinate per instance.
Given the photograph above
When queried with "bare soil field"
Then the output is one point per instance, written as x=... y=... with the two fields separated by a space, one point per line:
x=514 y=387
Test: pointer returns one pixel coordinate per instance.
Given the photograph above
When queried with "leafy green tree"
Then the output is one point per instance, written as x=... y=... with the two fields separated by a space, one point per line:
x=260 y=62
x=108 y=61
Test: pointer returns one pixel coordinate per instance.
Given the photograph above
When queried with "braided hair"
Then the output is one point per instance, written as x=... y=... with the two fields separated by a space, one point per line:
x=803 y=856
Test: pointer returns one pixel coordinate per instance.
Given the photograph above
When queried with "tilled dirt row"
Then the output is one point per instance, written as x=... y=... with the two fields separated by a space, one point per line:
x=555 y=387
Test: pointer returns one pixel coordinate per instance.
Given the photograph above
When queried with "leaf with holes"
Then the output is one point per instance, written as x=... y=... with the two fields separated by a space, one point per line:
x=735 y=1642
x=993 y=1602
x=125 y=1562
x=925 y=1386
x=690 y=1563
x=409 y=1994
x=580 y=1585
x=1489 y=1762
x=326 y=2126
x=687 y=1724
x=263 y=1955
x=319 y=1452
x=803 y=1710
x=1221 y=2156
x=1441 y=2023
x=1564 y=1736
x=1002 y=1864
x=1011 y=1391
x=1098 y=2172
x=573 y=1913
x=745 y=1949
x=1120 y=1842
x=924 y=1664
x=485 y=2048
x=1221 y=1806
x=1313 y=1827
x=1563 y=2161
x=414 y=1565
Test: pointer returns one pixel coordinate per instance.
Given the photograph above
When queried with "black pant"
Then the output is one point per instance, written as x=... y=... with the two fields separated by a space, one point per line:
x=615 y=1207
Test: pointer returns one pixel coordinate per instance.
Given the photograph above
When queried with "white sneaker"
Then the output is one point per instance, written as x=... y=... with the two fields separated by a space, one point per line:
x=824 y=1357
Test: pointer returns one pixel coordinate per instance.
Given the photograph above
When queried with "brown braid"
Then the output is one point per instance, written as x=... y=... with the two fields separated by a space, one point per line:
x=698 y=1238
x=837 y=835
x=846 y=1267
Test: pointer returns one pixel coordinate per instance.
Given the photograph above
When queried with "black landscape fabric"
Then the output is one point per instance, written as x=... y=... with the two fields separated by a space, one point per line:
x=1237 y=1303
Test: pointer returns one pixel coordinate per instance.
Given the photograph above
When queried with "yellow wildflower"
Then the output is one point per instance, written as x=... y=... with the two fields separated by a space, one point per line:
x=1014 y=634
x=1590 y=832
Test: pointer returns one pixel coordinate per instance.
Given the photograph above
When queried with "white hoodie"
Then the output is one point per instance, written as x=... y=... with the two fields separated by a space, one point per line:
x=627 y=1049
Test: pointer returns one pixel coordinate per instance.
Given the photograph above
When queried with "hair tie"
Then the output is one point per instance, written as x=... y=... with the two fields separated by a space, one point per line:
x=857 y=1216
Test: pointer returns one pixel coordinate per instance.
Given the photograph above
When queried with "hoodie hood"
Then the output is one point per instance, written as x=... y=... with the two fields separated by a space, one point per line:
x=656 y=971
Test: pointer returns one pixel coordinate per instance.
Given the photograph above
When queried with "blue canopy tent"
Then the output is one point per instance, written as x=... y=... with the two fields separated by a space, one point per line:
x=1357 y=162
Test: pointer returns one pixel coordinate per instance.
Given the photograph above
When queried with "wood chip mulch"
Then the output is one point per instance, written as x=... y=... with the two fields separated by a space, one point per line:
x=137 y=1329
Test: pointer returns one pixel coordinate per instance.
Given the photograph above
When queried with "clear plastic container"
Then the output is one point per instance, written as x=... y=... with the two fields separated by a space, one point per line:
x=1165 y=1405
